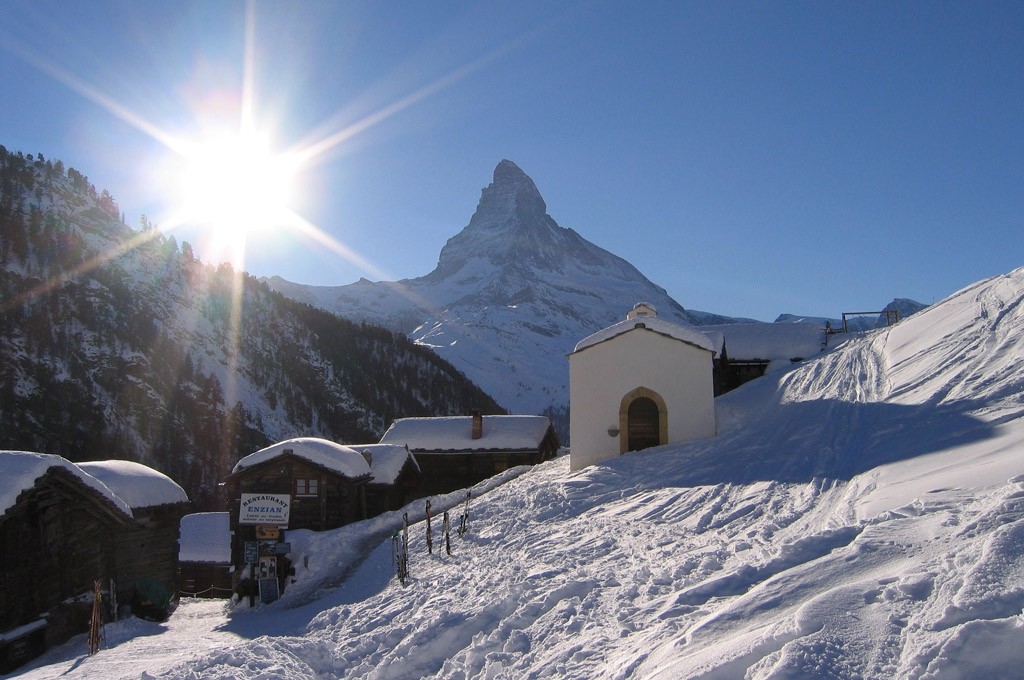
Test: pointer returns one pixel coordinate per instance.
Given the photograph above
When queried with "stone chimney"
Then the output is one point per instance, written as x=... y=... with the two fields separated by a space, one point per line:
x=478 y=424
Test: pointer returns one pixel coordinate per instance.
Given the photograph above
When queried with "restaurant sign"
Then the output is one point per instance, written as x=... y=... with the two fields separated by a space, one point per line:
x=264 y=508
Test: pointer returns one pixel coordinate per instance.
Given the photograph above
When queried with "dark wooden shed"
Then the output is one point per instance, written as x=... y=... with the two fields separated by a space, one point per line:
x=459 y=451
x=397 y=478
x=204 y=555
x=147 y=549
x=58 y=531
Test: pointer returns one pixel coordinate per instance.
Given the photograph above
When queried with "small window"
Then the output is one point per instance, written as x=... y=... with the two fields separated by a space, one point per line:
x=307 y=487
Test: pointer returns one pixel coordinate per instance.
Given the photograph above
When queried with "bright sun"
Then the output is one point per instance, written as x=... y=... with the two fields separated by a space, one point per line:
x=235 y=185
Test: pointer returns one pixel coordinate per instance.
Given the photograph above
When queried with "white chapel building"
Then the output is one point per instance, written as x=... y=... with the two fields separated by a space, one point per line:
x=641 y=382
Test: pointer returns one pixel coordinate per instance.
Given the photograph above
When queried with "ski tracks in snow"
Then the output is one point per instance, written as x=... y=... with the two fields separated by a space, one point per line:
x=607 y=574
x=668 y=553
x=879 y=604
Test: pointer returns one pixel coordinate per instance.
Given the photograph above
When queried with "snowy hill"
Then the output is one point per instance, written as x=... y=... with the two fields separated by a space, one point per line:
x=118 y=343
x=858 y=516
x=904 y=306
x=511 y=295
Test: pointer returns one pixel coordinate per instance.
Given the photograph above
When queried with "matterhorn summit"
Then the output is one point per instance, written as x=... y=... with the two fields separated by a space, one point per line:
x=511 y=201
x=511 y=295
x=510 y=226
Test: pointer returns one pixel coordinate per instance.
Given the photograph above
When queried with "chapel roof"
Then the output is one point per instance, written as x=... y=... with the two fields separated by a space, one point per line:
x=688 y=334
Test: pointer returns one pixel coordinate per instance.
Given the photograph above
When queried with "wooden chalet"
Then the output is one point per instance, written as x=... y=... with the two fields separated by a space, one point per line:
x=745 y=351
x=304 y=483
x=397 y=478
x=146 y=552
x=204 y=555
x=459 y=451
x=58 y=529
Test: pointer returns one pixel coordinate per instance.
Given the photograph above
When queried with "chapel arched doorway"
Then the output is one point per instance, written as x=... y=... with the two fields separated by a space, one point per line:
x=643 y=420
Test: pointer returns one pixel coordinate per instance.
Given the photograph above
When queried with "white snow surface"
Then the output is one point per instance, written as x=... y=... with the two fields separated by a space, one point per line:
x=386 y=461
x=138 y=485
x=454 y=433
x=19 y=471
x=205 y=537
x=860 y=515
x=768 y=341
x=327 y=454
x=688 y=334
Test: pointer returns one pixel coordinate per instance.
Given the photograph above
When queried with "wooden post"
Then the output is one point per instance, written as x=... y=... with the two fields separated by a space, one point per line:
x=96 y=623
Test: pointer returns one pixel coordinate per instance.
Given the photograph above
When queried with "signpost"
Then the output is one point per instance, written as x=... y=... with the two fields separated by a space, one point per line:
x=267 y=533
x=269 y=513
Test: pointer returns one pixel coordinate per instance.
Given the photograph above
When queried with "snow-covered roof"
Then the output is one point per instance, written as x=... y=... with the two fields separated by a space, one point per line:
x=205 y=537
x=688 y=334
x=768 y=341
x=327 y=454
x=455 y=433
x=19 y=471
x=386 y=460
x=136 y=484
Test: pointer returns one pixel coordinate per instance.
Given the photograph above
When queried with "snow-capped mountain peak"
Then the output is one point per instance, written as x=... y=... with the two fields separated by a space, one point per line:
x=511 y=230
x=510 y=201
x=511 y=295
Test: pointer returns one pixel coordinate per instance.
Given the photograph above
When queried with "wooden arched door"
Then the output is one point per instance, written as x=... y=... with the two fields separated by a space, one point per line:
x=643 y=418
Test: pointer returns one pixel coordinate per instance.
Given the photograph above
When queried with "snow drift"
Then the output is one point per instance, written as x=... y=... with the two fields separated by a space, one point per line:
x=859 y=516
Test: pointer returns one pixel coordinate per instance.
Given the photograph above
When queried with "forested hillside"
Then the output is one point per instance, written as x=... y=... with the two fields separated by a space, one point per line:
x=119 y=343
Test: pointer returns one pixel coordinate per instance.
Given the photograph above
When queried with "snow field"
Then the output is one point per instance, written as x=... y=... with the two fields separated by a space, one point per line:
x=859 y=516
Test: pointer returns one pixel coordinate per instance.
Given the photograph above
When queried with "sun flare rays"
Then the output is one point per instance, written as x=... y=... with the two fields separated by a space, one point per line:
x=229 y=178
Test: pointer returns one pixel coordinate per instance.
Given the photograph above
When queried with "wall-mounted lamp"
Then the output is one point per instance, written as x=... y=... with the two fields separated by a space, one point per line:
x=613 y=432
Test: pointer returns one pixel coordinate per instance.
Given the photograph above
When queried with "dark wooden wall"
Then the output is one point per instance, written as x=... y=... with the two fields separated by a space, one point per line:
x=408 y=486
x=204 y=579
x=149 y=547
x=57 y=540
x=447 y=471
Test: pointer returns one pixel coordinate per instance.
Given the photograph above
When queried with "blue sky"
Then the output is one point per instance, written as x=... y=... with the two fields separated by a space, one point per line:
x=752 y=158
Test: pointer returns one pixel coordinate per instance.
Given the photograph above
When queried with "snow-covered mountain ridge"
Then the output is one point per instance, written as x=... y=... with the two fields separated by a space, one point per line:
x=858 y=516
x=511 y=295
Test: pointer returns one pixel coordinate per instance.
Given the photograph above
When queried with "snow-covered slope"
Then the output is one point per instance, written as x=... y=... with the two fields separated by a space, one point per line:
x=511 y=295
x=859 y=516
